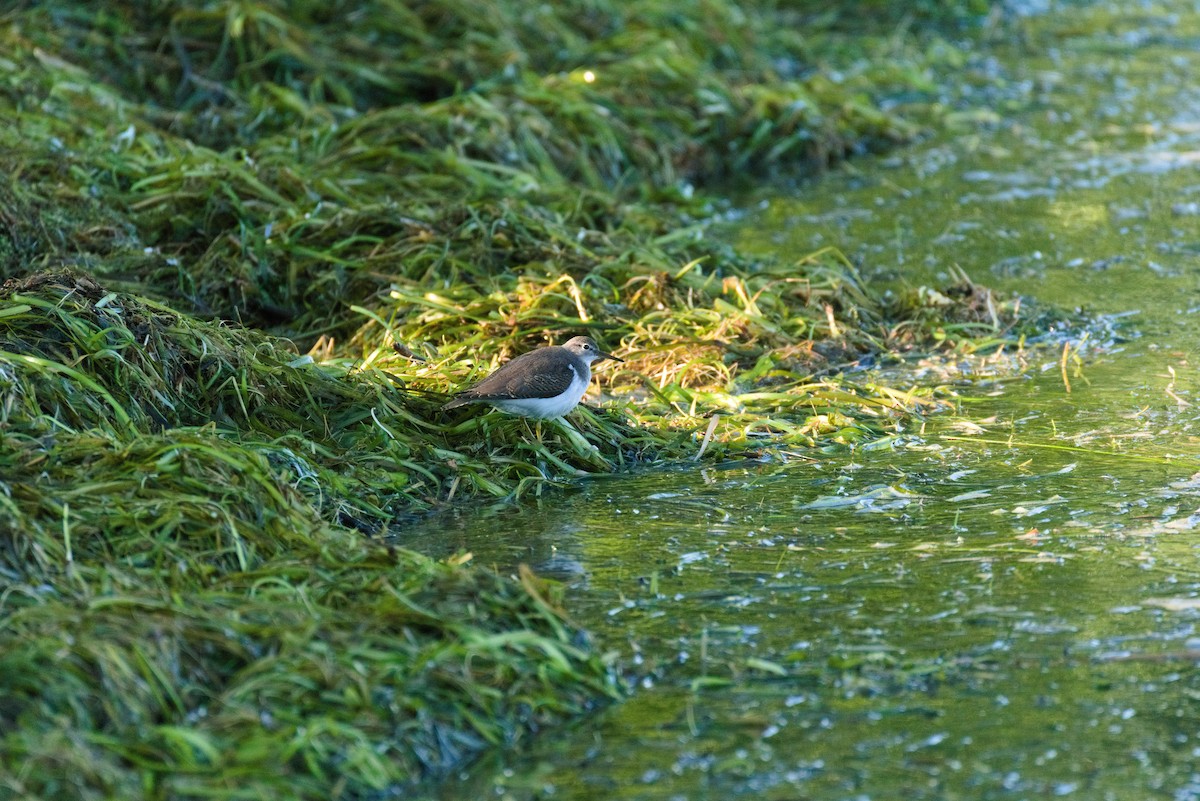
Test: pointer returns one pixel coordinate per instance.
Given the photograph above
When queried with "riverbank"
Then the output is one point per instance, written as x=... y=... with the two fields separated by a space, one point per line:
x=249 y=255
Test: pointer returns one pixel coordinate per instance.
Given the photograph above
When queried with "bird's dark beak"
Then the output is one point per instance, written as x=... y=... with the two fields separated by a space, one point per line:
x=602 y=355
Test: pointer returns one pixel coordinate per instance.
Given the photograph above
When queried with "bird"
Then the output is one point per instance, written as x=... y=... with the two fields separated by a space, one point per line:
x=542 y=384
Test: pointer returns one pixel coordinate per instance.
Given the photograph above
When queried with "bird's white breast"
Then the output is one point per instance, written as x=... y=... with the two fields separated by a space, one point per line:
x=546 y=408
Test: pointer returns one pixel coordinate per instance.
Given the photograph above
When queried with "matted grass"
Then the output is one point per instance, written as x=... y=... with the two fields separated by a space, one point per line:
x=251 y=248
x=186 y=612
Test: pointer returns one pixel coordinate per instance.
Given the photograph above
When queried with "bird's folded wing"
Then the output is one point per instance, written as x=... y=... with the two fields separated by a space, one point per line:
x=535 y=375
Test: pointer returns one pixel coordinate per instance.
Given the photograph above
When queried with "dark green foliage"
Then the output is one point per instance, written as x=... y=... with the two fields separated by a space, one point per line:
x=277 y=169
x=182 y=612
x=199 y=596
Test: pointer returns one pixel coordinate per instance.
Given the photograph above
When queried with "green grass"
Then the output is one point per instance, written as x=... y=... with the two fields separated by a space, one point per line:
x=248 y=255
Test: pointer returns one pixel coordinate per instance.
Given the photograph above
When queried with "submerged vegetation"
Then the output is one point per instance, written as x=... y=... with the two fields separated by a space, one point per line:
x=248 y=248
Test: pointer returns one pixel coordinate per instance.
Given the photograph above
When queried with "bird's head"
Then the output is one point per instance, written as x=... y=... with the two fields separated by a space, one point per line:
x=587 y=349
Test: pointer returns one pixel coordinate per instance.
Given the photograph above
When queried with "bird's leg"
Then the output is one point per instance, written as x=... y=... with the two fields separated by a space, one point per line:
x=536 y=431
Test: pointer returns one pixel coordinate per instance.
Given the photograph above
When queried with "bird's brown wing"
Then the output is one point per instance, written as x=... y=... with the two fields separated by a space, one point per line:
x=537 y=374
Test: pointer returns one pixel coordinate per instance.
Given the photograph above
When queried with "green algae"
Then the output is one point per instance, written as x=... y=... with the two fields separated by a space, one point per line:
x=248 y=255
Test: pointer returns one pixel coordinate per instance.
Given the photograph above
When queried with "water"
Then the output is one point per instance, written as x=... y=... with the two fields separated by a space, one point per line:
x=1001 y=603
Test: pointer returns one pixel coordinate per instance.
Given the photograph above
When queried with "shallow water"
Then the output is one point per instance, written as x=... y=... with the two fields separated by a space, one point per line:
x=999 y=604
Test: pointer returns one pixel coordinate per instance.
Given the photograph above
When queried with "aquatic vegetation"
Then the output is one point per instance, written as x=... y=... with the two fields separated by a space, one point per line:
x=183 y=585
x=248 y=255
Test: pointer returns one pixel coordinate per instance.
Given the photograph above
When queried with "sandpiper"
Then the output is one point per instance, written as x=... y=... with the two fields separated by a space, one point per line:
x=541 y=384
